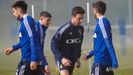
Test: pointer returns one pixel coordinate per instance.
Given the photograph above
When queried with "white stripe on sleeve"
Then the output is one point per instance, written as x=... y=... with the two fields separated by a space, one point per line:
x=28 y=27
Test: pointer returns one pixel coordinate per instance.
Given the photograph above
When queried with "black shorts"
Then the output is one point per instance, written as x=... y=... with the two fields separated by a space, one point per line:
x=24 y=69
x=62 y=67
x=99 y=69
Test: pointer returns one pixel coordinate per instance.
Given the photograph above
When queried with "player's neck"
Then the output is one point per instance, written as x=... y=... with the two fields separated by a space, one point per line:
x=22 y=14
x=73 y=23
x=99 y=15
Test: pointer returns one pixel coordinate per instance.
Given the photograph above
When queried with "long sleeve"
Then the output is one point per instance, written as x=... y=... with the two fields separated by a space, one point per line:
x=90 y=54
x=16 y=46
x=44 y=61
x=29 y=25
x=34 y=53
x=54 y=46
x=106 y=32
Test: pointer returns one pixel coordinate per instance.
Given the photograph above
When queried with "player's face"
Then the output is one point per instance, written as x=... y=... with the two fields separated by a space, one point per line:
x=78 y=19
x=45 y=20
x=16 y=12
x=94 y=12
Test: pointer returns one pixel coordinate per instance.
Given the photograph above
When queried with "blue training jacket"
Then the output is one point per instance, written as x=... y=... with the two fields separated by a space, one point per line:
x=104 y=52
x=27 y=39
x=42 y=32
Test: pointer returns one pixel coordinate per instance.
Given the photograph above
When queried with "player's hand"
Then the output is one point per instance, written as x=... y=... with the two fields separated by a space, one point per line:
x=8 y=51
x=85 y=57
x=47 y=70
x=66 y=62
x=33 y=65
x=78 y=64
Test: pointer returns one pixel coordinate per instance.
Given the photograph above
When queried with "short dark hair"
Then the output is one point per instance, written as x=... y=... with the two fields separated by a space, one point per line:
x=45 y=14
x=100 y=6
x=77 y=10
x=20 y=4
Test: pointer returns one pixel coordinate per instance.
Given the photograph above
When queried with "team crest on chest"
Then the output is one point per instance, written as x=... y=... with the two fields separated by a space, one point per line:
x=70 y=33
x=94 y=35
x=80 y=32
x=20 y=35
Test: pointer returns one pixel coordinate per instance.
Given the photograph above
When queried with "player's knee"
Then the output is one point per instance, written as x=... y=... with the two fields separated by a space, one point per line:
x=47 y=73
x=47 y=69
x=64 y=72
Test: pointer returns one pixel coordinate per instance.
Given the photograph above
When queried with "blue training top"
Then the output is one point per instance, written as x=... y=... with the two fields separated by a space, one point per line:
x=42 y=32
x=27 y=39
x=103 y=47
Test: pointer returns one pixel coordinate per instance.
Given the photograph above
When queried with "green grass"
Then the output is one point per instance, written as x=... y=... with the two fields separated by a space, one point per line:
x=8 y=64
x=124 y=72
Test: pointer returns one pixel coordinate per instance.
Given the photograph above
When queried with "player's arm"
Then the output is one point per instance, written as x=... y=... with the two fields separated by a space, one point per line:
x=31 y=32
x=10 y=50
x=44 y=61
x=106 y=32
x=16 y=46
x=88 y=55
x=55 y=43
x=46 y=69
x=54 y=46
x=29 y=25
